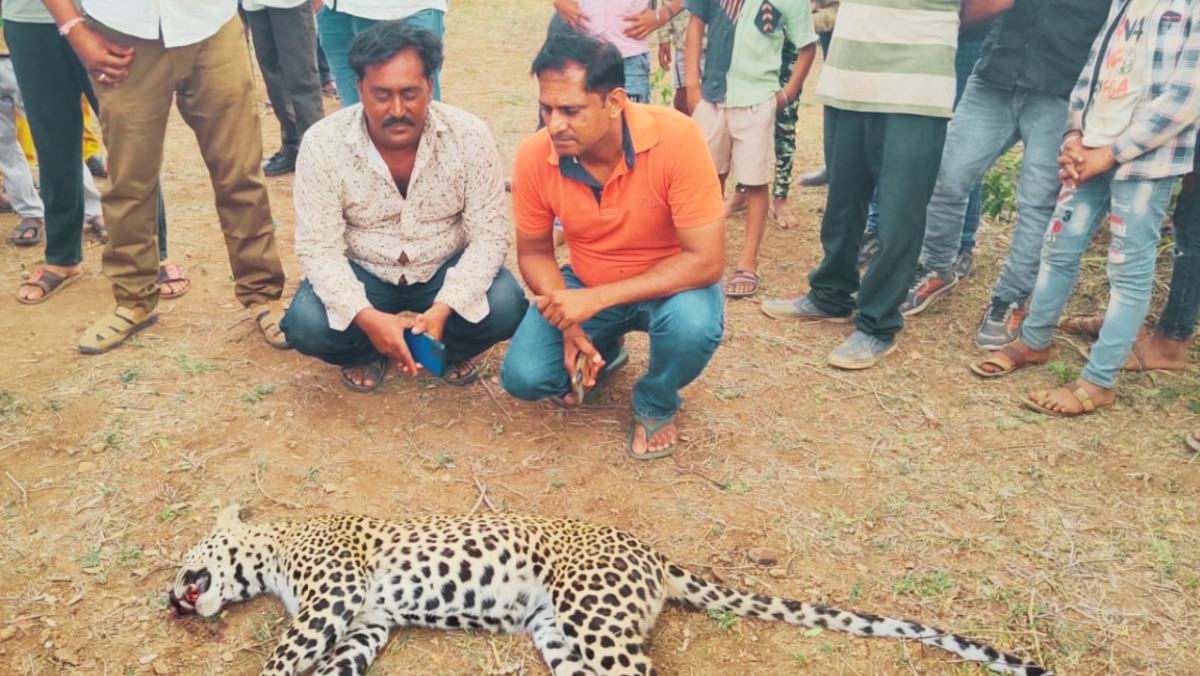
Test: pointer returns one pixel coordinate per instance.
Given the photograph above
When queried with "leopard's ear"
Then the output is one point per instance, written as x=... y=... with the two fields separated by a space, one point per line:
x=229 y=517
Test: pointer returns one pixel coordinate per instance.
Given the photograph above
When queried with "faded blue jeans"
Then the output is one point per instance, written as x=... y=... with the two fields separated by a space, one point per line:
x=637 y=78
x=987 y=122
x=1138 y=209
x=338 y=29
x=685 y=330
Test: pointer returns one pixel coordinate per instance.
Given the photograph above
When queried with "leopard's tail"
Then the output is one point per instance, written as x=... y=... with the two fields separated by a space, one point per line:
x=693 y=590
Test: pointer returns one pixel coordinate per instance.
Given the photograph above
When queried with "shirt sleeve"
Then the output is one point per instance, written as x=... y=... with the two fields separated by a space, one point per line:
x=533 y=215
x=1172 y=112
x=699 y=8
x=693 y=189
x=321 y=236
x=485 y=219
x=798 y=24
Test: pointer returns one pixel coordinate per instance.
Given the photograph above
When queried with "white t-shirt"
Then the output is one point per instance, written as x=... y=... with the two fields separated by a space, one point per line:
x=1122 y=74
x=256 y=5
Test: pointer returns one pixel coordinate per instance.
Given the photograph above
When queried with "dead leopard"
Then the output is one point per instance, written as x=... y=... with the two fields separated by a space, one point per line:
x=588 y=594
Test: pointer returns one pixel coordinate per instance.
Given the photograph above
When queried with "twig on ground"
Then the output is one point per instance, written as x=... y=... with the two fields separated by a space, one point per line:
x=24 y=495
x=258 y=483
x=483 y=498
x=494 y=399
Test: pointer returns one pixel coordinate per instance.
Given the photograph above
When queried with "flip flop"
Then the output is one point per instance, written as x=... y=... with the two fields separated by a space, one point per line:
x=1006 y=360
x=168 y=274
x=463 y=378
x=375 y=369
x=651 y=428
x=267 y=316
x=742 y=278
x=1082 y=325
x=17 y=236
x=48 y=282
x=1032 y=401
x=617 y=364
x=1191 y=441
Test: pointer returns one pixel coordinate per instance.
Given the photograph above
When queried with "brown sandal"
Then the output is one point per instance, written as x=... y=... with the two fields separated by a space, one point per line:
x=1005 y=360
x=464 y=372
x=172 y=274
x=1033 y=401
x=743 y=284
x=48 y=282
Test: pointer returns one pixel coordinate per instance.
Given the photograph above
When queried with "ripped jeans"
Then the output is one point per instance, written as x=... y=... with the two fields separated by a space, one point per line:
x=1138 y=209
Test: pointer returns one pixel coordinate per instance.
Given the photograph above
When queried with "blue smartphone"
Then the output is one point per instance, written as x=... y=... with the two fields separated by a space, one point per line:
x=428 y=352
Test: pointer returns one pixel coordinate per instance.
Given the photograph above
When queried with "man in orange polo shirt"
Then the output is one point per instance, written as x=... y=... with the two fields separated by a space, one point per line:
x=638 y=197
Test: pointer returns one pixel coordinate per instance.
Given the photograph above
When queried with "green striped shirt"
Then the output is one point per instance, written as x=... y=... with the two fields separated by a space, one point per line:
x=892 y=56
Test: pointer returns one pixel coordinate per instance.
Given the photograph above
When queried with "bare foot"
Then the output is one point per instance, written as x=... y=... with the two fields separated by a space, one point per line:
x=175 y=283
x=32 y=293
x=735 y=204
x=1063 y=400
x=781 y=214
x=359 y=375
x=1152 y=351
x=664 y=437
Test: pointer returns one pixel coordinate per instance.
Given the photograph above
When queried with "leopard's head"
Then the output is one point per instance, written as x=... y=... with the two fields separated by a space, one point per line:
x=213 y=571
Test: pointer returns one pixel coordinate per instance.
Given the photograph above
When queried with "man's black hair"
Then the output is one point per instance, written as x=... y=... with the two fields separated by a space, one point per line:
x=385 y=39
x=600 y=60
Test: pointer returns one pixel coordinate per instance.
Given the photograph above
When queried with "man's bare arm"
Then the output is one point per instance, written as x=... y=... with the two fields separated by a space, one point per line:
x=975 y=11
x=804 y=62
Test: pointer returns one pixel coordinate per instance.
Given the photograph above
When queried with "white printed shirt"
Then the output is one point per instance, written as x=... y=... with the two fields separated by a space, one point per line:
x=348 y=208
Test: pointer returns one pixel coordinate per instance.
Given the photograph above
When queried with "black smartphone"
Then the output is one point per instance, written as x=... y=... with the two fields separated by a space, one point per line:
x=428 y=352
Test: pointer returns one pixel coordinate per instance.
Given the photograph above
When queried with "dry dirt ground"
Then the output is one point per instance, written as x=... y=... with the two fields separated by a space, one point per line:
x=911 y=489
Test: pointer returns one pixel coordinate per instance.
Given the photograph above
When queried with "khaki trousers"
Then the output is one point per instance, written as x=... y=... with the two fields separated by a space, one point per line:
x=211 y=83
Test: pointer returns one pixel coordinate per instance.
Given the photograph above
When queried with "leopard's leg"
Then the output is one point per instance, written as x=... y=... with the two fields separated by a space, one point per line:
x=359 y=646
x=611 y=645
x=317 y=627
x=561 y=653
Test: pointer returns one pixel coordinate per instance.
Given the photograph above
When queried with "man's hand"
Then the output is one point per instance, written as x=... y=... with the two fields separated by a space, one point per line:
x=641 y=24
x=1070 y=157
x=386 y=332
x=664 y=55
x=576 y=341
x=433 y=321
x=1096 y=161
x=571 y=13
x=783 y=98
x=568 y=308
x=107 y=61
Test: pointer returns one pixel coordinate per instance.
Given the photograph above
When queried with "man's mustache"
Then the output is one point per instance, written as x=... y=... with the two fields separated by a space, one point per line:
x=393 y=121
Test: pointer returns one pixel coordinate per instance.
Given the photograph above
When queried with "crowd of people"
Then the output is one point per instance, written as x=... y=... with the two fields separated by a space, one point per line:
x=403 y=226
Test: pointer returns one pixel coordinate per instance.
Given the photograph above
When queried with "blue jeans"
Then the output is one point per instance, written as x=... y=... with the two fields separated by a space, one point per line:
x=987 y=122
x=965 y=58
x=1138 y=208
x=338 y=29
x=1178 y=318
x=637 y=78
x=685 y=330
x=306 y=323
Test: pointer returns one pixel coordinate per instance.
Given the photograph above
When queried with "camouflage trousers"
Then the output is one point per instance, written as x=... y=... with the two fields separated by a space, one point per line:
x=785 y=127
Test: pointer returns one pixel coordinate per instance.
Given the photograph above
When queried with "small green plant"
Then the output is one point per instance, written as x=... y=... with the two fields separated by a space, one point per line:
x=172 y=512
x=443 y=461
x=192 y=365
x=128 y=558
x=736 y=486
x=1064 y=373
x=725 y=619
x=90 y=559
x=924 y=584
x=1000 y=187
x=11 y=408
x=260 y=393
x=130 y=375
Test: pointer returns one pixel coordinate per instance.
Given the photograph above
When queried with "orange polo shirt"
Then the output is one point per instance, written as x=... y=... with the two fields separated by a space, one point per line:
x=666 y=182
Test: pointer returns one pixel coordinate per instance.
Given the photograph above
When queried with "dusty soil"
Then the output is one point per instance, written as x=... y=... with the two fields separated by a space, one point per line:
x=912 y=489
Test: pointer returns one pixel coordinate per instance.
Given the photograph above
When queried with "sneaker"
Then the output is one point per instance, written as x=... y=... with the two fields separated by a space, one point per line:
x=815 y=179
x=1001 y=324
x=281 y=163
x=870 y=248
x=97 y=166
x=799 y=308
x=926 y=287
x=861 y=351
x=964 y=264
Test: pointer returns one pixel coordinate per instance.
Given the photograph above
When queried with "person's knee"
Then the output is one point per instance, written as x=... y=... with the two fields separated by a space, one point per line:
x=306 y=326
x=507 y=304
x=693 y=322
x=524 y=376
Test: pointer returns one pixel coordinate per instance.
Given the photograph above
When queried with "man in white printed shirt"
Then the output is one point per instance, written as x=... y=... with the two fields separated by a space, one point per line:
x=141 y=55
x=400 y=208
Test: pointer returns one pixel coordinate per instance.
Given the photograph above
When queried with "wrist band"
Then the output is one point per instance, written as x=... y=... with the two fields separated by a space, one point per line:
x=70 y=24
